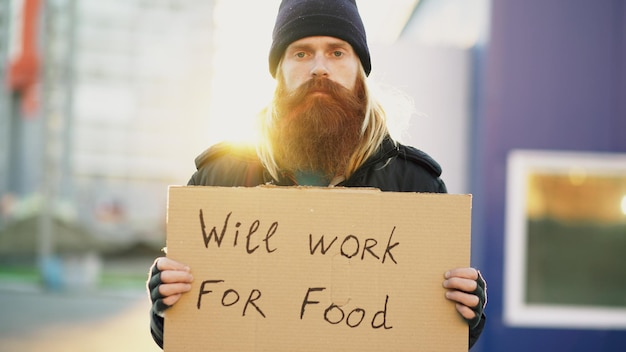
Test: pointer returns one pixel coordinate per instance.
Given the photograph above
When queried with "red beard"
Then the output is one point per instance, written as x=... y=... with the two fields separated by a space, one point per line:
x=318 y=126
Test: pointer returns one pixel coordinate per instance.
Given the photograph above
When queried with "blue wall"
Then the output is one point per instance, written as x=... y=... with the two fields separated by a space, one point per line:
x=553 y=76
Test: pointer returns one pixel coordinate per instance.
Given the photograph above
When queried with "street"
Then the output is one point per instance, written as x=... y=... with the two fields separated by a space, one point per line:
x=32 y=319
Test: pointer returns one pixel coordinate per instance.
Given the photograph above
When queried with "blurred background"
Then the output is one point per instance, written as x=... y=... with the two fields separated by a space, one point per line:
x=104 y=104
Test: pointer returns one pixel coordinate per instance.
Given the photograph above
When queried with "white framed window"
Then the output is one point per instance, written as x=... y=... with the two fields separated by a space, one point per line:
x=565 y=240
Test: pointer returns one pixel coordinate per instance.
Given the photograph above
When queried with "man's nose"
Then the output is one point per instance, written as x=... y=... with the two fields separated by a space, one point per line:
x=319 y=68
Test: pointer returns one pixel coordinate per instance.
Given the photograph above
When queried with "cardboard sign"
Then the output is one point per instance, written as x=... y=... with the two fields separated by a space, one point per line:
x=316 y=269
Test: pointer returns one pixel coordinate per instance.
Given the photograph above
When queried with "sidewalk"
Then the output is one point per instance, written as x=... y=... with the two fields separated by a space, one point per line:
x=35 y=319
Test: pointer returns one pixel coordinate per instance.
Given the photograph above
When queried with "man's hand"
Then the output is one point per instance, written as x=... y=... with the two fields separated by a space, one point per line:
x=467 y=288
x=168 y=280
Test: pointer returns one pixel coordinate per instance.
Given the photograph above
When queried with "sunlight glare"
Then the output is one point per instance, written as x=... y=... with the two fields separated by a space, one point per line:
x=242 y=84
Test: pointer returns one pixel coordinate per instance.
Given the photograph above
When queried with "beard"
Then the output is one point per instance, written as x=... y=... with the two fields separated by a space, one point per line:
x=318 y=126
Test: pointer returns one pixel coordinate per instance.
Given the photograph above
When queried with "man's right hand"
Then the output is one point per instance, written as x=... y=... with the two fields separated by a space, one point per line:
x=168 y=280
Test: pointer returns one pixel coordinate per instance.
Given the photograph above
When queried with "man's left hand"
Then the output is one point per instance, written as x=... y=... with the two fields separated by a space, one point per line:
x=467 y=288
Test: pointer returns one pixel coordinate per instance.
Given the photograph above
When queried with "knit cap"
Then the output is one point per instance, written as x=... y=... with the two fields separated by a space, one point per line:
x=299 y=19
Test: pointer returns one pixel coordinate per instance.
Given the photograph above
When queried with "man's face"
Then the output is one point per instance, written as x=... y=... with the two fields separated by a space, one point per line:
x=326 y=57
x=320 y=105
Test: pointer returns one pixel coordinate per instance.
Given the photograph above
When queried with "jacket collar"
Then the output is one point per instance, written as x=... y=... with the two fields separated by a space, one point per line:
x=386 y=150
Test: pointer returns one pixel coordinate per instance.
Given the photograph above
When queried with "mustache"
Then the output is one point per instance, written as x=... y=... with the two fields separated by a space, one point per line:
x=316 y=84
x=301 y=99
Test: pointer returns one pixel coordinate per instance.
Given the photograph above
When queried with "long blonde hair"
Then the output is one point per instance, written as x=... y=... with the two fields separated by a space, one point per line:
x=373 y=131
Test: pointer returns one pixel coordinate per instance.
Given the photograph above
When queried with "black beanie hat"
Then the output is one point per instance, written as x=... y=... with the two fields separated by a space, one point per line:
x=299 y=19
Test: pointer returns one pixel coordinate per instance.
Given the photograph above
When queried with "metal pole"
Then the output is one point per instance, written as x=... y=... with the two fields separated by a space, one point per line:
x=58 y=42
x=66 y=186
x=5 y=111
x=49 y=268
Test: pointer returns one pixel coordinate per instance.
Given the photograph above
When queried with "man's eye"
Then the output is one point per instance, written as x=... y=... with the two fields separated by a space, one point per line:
x=337 y=53
x=300 y=54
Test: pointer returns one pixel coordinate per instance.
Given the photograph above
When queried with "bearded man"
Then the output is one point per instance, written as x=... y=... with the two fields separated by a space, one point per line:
x=323 y=128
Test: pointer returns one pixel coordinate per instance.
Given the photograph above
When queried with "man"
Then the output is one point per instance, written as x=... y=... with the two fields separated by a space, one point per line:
x=323 y=128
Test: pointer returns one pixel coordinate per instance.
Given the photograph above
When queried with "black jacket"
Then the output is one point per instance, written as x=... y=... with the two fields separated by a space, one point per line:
x=395 y=167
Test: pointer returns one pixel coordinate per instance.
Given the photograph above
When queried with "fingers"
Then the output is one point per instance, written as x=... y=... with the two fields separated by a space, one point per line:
x=461 y=283
x=176 y=279
x=174 y=276
x=171 y=300
x=168 y=281
x=167 y=290
x=466 y=273
x=465 y=311
x=463 y=279
x=467 y=289
x=164 y=263
x=466 y=285
x=467 y=299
